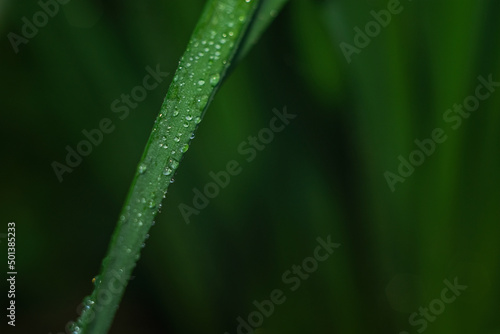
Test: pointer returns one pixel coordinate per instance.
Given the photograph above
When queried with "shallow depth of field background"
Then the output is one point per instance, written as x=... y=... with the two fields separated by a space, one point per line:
x=321 y=176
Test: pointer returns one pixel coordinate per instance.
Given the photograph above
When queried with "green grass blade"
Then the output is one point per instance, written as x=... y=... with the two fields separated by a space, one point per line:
x=211 y=49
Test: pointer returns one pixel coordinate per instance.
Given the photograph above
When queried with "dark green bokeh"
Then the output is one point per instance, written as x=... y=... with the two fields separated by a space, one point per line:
x=323 y=175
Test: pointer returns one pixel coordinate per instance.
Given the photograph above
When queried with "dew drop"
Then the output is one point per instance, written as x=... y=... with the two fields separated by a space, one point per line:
x=167 y=171
x=197 y=120
x=87 y=301
x=142 y=168
x=214 y=79
x=176 y=112
x=177 y=139
x=189 y=117
x=96 y=280
x=202 y=101
x=74 y=328
x=172 y=180
x=185 y=148
x=174 y=164
x=201 y=82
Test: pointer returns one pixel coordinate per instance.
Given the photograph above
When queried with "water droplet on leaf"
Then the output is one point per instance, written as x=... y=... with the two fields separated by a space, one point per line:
x=214 y=79
x=142 y=168
x=174 y=164
x=202 y=101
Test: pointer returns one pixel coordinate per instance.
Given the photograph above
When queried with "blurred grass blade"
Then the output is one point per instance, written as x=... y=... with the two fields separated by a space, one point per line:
x=211 y=49
x=263 y=17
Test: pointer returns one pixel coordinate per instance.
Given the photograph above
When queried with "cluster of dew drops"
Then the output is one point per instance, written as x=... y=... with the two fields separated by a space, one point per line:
x=205 y=47
x=210 y=47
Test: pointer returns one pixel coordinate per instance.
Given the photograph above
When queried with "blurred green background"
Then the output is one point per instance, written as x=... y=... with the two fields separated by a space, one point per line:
x=323 y=175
